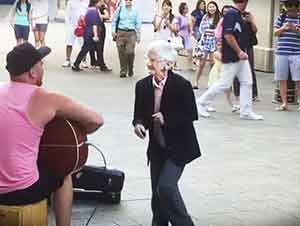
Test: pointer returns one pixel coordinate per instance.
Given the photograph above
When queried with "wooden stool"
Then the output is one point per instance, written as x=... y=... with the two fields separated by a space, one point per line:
x=29 y=215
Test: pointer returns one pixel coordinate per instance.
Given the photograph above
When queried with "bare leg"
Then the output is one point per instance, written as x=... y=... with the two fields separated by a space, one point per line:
x=199 y=71
x=42 y=38
x=190 y=58
x=62 y=203
x=68 y=52
x=228 y=97
x=36 y=39
x=283 y=92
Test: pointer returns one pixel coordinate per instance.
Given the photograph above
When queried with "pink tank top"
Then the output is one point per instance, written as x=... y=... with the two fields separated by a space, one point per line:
x=19 y=139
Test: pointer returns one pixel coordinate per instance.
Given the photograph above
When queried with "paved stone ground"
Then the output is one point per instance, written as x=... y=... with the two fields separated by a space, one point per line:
x=249 y=172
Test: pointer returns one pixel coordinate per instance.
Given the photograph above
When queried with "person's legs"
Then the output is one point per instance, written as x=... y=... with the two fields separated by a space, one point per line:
x=42 y=38
x=169 y=194
x=250 y=53
x=245 y=79
x=121 y=45
x=84 y=50
x=130 y=50
x=225 y=82
x=283 y=93
x=158 y=219
x=282 y=70
x=228 y=97
x=69 y=49
x=62 y=203
x=36 y=37
x=199 y=71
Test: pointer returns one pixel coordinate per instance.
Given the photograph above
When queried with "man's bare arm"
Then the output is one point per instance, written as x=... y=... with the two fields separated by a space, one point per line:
x=44 y=106
x=233 y=43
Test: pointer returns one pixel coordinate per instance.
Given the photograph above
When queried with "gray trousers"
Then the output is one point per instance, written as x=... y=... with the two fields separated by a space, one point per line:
x=126 y=42
x=167 y=203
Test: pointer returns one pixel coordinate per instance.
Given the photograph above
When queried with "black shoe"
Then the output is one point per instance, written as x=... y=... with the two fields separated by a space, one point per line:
x=105 y=69
x=76 y=68
x=122 y=76
x=130 y=74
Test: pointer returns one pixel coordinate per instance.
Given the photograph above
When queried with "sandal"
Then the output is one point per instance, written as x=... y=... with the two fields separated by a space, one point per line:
x=282 y=108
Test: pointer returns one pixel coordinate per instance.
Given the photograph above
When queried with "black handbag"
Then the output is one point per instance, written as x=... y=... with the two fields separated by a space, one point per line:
x=93 y=182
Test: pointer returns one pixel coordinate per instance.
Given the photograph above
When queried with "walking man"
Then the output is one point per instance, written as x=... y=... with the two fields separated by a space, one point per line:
x=236 y=63
x=126 y=28
x=165 y=105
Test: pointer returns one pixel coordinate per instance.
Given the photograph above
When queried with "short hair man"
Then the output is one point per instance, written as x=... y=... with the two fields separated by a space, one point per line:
x=165 y=105
x=236 y=63
x=25 y=110
x=287 y=29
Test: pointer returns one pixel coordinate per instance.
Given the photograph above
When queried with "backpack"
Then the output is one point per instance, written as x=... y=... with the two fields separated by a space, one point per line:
x=81 y=24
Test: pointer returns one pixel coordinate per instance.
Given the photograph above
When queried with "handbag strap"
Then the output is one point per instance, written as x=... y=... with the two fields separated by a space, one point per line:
x=118 y=19
x=96 y=147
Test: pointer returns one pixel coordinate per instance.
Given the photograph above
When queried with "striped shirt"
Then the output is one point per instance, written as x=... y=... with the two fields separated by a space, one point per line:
x=288 y=42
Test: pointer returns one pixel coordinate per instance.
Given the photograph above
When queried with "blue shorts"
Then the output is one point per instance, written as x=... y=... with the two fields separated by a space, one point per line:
x=21 y=32
x=285 y=65
x=40 y=190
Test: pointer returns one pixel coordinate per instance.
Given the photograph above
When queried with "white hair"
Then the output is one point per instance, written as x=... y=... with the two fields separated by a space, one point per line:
x=163 y=49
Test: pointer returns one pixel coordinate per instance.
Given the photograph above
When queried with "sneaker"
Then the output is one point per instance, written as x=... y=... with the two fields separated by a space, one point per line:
x=66 y=64
x=130 y=74
x=76 y=68
x=202 y=111
x=84 y=64
x=252 y=116
x=235 y=108
x=105 y=69
x=211 y=109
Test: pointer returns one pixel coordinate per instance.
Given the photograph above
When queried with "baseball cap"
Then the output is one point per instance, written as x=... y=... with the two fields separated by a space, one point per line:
x=23 y=57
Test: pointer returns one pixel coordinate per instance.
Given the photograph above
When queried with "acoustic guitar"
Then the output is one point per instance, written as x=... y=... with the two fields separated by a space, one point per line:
x=63 y=149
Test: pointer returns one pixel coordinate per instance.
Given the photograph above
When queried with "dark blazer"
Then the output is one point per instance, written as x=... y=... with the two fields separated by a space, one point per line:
x=179 y=110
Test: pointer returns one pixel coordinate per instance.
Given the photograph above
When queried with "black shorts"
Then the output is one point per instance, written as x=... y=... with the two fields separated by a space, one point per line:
x=40 y=190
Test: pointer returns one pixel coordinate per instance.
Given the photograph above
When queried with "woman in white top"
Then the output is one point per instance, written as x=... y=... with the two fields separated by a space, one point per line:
x=40 y=14
x=164 y=26
x=75 y=9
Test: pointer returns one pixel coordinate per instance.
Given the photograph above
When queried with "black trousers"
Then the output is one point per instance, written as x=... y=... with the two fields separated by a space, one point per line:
x=167 y=203
x=88 y=45
x=100 y=48
x=236 y=83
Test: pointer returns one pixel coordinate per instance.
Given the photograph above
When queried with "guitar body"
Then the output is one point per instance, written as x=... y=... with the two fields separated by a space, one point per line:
x=62 y=148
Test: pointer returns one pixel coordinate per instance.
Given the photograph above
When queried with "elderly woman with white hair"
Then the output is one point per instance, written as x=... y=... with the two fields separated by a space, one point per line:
x=165 y=106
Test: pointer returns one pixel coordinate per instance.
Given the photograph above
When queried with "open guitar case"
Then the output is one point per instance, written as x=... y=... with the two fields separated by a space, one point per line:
x=98 y=183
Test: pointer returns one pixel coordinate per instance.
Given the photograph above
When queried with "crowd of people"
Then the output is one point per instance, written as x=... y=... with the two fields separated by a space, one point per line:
x=199 y=32
x=223 y=38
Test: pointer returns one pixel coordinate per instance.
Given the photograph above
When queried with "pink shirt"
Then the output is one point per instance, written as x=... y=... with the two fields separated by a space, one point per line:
x=19 y=139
